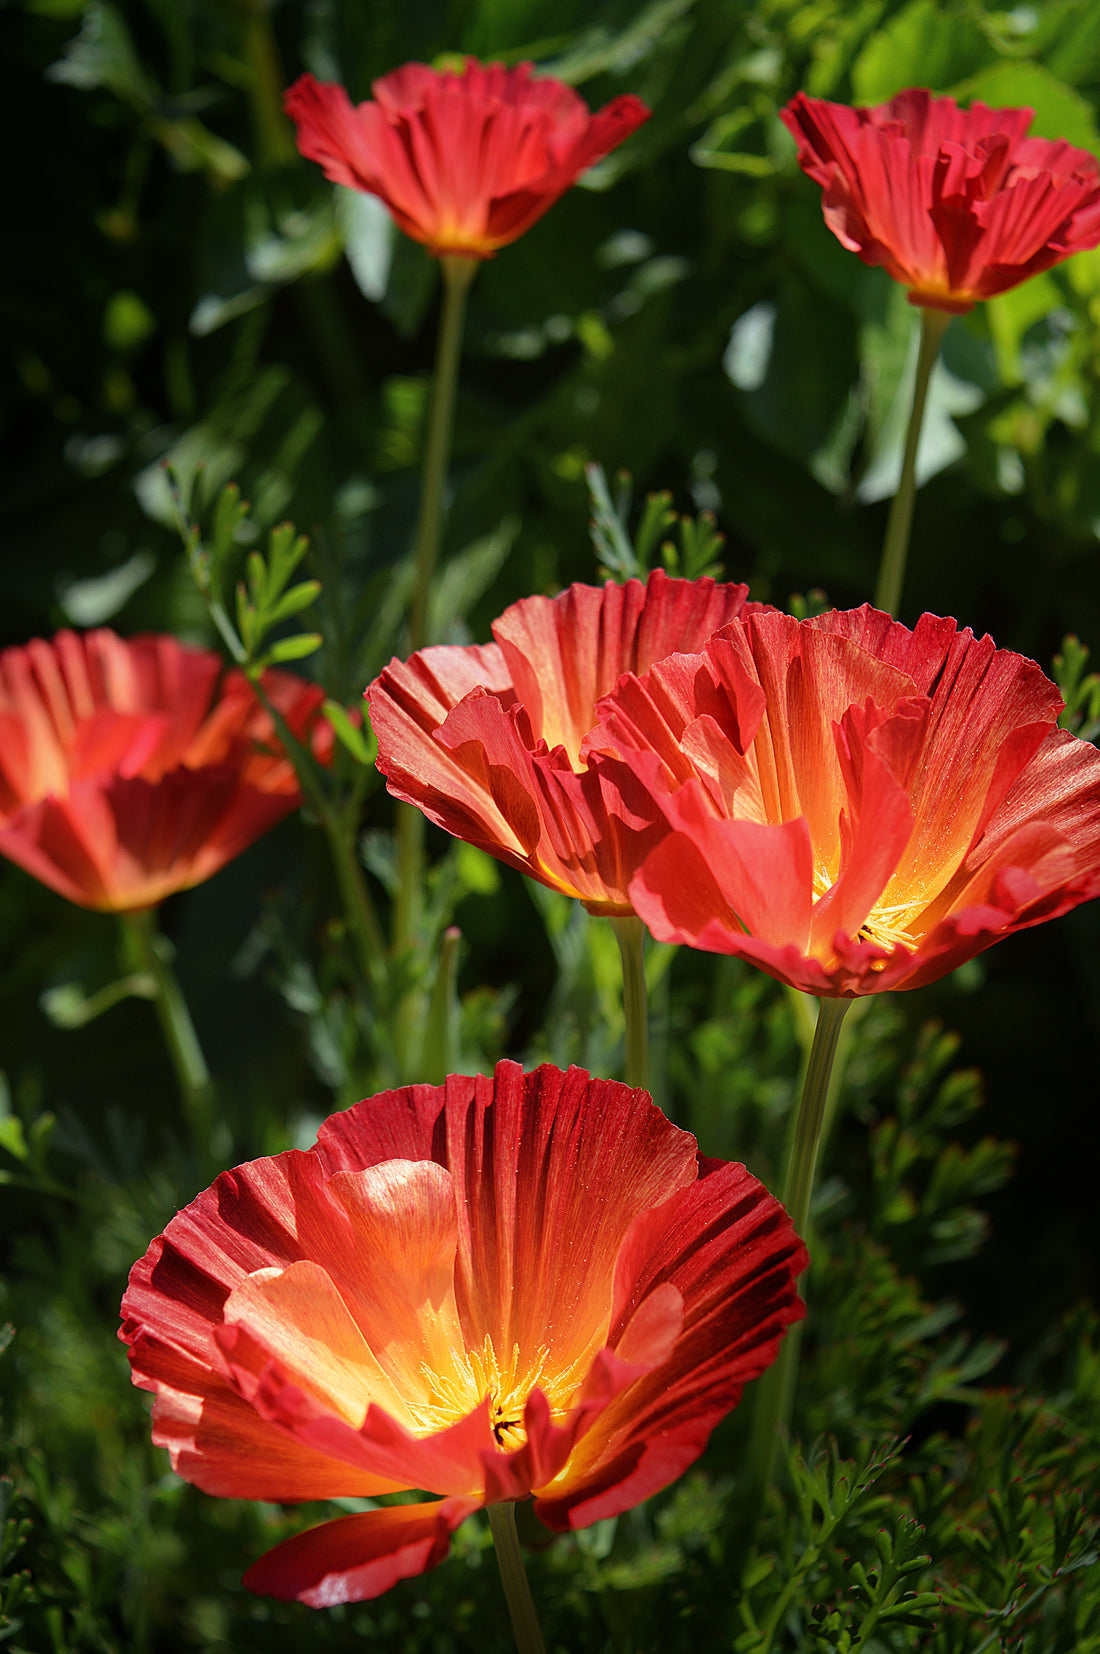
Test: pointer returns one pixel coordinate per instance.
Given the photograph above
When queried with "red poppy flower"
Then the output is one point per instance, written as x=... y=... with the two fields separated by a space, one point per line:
x=957 y=204
x=493 y=1288
x=465 y=162
x=489 y=741
x=127 y=772
x=855 y=806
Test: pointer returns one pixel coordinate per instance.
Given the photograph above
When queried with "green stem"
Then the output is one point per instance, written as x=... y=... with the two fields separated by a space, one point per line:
x=806 y=1136
x=774 y=1396
x=439 y=1041
x=521 y=1607
x=359 y=911
x=151 y=951
x=274 y=143
x=340 y=824
x=458 y=273
x=630 y=935
x=895 y=547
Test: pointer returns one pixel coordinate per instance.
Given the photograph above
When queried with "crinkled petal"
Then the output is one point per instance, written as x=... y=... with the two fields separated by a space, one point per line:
x=465 y=162
x=359 y=1557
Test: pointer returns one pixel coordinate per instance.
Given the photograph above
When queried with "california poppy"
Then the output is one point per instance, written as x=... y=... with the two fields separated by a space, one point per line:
x=497 y=1288
x=489 y=740
x=129 y=771
x=852 y=805
x=467 y=161
x=956 y=204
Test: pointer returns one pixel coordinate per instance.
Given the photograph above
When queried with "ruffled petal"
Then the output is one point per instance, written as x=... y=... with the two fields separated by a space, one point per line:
x=359 y=1557
x=465 y=162
x=731 y=1252
x=957 y=204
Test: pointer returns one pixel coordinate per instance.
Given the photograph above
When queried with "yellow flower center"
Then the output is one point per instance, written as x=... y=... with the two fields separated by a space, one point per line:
x=476 y=1374
x=887 y=924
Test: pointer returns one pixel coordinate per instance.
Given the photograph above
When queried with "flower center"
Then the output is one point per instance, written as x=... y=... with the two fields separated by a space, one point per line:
x=476 y=1374
x=887 y=924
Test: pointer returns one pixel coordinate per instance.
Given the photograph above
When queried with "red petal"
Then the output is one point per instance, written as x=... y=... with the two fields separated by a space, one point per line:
x=359 y=1557
x=729 y=1249
x=465 y=162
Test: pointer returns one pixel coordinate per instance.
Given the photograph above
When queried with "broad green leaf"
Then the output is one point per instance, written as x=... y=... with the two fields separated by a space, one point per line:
x=925 y=44
x=1059 y=111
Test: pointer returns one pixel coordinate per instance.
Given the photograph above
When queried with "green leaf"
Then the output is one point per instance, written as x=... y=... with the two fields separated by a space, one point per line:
x=359 y=739
x=293 y=602
x=12 y=1138
x=293 y=648
x=1060 y=112
x=103 y=54
x=925 y=44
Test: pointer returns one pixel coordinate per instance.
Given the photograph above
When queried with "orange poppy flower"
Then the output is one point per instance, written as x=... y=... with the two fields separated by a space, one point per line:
x=852 y=805
x=530 y=1284
x=128 y=772
x=465 y=162
x=489 y=741
x=957 y=204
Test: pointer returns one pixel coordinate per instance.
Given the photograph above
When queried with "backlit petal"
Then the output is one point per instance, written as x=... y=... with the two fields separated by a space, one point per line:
x=957 y=204
x=359 y=1557
x=465 y=162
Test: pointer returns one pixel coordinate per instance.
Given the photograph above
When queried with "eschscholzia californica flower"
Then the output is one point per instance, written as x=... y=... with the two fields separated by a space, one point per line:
x=465 y=162
x=855 y=806
x=956 y=204
x=490 y=740
x=128 y=771
x=497 y=1288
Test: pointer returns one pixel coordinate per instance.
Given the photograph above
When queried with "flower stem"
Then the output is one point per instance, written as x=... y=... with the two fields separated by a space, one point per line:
x=340 y=824
x=521 y=1607
x=274 y=143
x=630 y=935
x=895 y=547
x=358 y=907
x=775 y=1392
x=806 y=1135
x=151 y=951
x=458 y=273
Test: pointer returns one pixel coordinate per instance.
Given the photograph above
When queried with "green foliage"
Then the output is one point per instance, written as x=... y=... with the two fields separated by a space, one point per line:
x=621 y=558
x=1081 y=693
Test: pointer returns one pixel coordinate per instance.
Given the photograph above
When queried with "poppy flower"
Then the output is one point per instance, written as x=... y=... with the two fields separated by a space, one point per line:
x=128 y=771
x=496 y=1288
x=465 y=162
x=489 y=740
x=957 y=204
x=852 y=805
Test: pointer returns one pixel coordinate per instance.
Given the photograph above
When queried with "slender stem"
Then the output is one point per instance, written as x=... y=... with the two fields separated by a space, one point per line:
x=630 y=935
x=340 y=825
x=274 y=144
x=457 y=276
x=774 y=1396
x=805 y=1139
x=895 y=547
x=439 y=1036
x=358 y=907
x=521 y=1607
x=150 y=950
